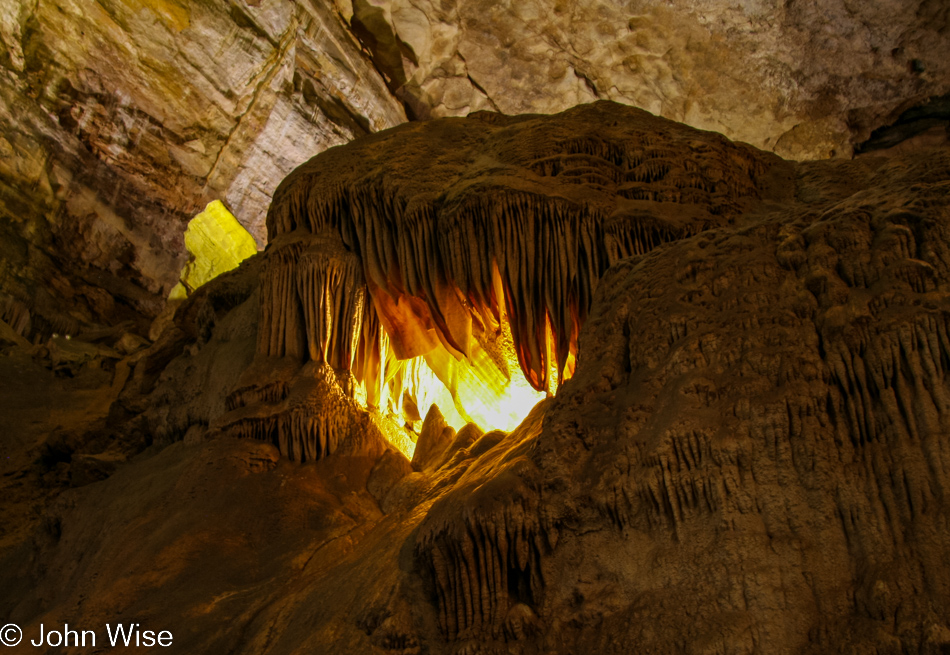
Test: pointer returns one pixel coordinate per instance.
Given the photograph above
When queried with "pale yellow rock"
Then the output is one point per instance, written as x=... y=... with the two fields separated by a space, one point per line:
x=217 y=243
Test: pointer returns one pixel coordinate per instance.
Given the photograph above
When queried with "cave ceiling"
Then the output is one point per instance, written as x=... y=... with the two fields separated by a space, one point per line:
x=122 y=119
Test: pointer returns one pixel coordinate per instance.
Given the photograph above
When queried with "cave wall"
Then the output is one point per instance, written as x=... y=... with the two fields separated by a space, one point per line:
x=120 y=119
x=751 y=456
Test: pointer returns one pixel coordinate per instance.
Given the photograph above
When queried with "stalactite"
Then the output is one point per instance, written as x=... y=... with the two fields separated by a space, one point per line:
x=15 y=314
x=332 y=294
x=423 y=279
x=281 y=330
x=482 y=568
x=447 y=251
x=307 y=418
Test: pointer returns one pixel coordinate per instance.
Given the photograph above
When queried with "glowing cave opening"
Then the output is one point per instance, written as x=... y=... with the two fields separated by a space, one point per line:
x=398 y=345
x=486 y=387
x=216 y=243
x=490 y=392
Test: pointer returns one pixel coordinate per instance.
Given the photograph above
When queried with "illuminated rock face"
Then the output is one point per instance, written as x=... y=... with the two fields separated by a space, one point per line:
x=216 y=243
x=121 y=119
x=482 y=261
x=751 y=455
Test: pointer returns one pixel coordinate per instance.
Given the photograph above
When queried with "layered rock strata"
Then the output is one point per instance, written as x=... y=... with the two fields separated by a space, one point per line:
x=119 y=121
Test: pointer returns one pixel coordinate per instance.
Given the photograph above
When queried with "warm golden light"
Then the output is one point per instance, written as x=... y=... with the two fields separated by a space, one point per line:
x=400 y=346
x=486 y=388
x=504 y=411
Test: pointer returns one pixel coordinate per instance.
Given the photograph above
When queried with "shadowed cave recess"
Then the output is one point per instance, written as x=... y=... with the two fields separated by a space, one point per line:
x=588 y=382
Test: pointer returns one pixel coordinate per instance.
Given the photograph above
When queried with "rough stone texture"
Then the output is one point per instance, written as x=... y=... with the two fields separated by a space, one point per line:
x=925 y=125
x=513 y=223
x=120 y=120
x=477 y=265
x=771 y=447
x=751 y=457
x=805 y=79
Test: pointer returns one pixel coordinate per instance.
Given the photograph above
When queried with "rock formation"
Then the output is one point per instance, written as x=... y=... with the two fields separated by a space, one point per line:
x=745 y=447
x=805 y=79
x=120 y=120
x=478 y=265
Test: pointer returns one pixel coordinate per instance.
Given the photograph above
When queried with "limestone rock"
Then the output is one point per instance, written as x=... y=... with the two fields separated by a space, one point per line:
x=806 y=80
x=500 y=241
x=391 y=468
x=390 y=272
x=10 y=336
x=759 y=415
x=750 y=455
x=120 y=120
x=434 y=440
x=216 y=243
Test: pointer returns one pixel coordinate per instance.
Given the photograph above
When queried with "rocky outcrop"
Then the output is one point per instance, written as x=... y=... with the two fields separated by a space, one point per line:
x=514 y=222
x=927 y=124
x=769 y=448
x=750 y=455
x=478 y=265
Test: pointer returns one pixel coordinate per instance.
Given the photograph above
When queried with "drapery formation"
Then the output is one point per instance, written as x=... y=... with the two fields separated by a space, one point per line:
x=455 y=261
x=467 y=242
